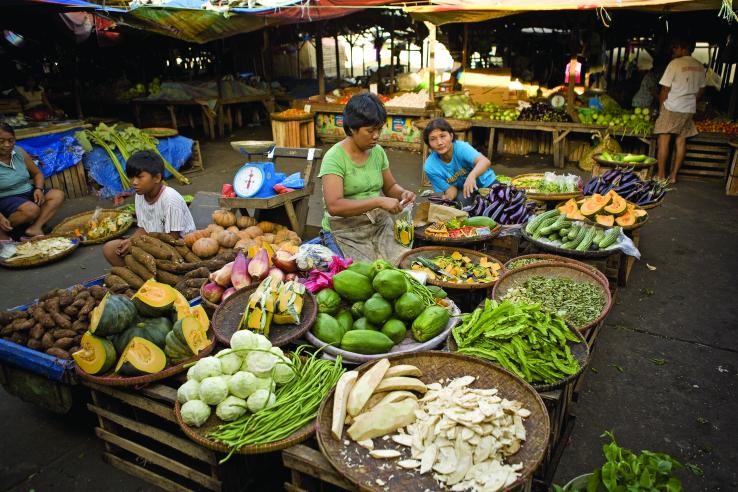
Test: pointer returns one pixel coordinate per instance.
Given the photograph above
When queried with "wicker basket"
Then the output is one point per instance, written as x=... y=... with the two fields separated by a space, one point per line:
x=544 y=197
x=365 y=472
x=301 y=117
x=546 y=258
x=408 y=258
x=79 y=221
x=35 y=262
x=422 y=236
x=573 y=253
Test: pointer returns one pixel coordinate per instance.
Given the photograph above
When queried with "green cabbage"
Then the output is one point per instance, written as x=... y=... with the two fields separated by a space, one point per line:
x=244 y=340
x=243 y=384
x=230 y=361
x=260 y=363
x=206 y=367
x=188 y=391
x=213 y=390
x=260 y=400
x=195 y=413
x=283 y=371
x=231 y=408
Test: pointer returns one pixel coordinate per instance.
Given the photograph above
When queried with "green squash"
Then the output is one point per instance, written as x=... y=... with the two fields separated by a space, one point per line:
x=154 y=330
x=175 y=349
x=96 y=354
x=352 y=286
x=141 y=357
x=154 y=299
x=189 y=332
x=113 y=315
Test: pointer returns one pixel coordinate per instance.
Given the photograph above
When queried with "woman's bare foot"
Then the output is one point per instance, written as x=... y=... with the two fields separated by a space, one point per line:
x=672 y=180
x=30 y=232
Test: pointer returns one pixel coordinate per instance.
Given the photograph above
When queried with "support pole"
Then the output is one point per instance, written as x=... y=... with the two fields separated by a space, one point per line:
x=431 y=61
x=319 y=59
x=465 y=48
x=338 y=61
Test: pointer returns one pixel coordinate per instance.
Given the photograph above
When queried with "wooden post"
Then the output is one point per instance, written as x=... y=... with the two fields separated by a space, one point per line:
x=338 y=60
x=431 y=61
x=392 y=64
x=733 y=99
x=465 y=48
x=422 y=54
x=319 y=59
x=266 y=56
x=351 y=57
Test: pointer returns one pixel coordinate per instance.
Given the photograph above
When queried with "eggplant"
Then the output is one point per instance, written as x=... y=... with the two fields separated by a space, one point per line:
x=497 y=211
x=480 y=207
x=517 y=217
x=487 y=212
x=503 y=219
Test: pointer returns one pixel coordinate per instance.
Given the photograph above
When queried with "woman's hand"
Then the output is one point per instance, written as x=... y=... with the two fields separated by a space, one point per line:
x=391 y=205
x=38 y=197
x=470 y=186
x=407 y=197
x=5 y=224
x=123 y=247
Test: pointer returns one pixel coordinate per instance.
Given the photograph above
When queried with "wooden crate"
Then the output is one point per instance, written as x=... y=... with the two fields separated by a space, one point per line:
x=558 y=403
x=299 y=133
x=72 y=181
x=708 y=156
x=142 y=438
x=194 y=163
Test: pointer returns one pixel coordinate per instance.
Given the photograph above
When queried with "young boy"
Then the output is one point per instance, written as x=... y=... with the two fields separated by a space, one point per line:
x=159 y=208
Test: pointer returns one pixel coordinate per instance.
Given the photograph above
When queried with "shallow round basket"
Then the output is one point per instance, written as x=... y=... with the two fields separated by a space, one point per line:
x=572 y=253
x=579 y=350
x=300 y=117
x=36 y=262
x=422 y=236
x=112 y=379
x=519 y=276
x=200 y=435
x=79 y=221
x=633 y=227
x=406 y=262
x=651 y=205
x=650 y=162
x=365 y=471
x=157 y=132
x=228 y=315
x=408 y=346
x=546 y=258
x=543 y=197
x=252 y=146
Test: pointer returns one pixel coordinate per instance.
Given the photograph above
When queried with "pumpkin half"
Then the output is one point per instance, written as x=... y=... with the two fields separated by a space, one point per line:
x=141 y=357
x=199 y=313
x=96 y=354
x=152 y=329
x=190 y=333
x=154 y=299
x=114 y=314
x=181 y=305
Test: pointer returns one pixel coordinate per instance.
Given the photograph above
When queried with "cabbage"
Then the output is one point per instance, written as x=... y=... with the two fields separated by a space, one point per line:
x=195 y=413
x=190 y=372
x=213 y=390
x=277 y=351
x=243 y=340
x=283 y=371
x=261 y=400
x=260 y=363
x=188 y=391
x=263 y=342
x=231 y=408
x=230 y=361
x=242 y=384
x=264 y=383
x=206 y=367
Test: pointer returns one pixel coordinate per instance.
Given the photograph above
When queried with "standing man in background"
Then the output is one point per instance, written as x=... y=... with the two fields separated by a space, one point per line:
x=682 y=85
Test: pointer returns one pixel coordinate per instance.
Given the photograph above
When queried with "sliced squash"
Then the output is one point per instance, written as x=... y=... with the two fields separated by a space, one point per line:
x=154 y=299
x=640 y=213
x=199 y=313
x=154 y=330
x=181 y=305
x=96 y=354
x=189 y=331
x=575 y=215
x=113 y=315
x=594 y=204
x=605 y=220
x=141 y=357
x=627 y=219
x=617 y=205
x=569 y=206
x=175 y=349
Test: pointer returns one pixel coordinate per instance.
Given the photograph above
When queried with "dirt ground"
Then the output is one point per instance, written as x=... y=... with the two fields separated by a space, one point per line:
x=664 y=375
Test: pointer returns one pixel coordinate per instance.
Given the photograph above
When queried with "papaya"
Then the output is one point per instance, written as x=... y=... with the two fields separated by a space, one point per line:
x=327 y=330
x=113 y=315
x=366 y=342
x=154 y=330
x=430 y=323
x=627 y=219
x=96 y=354
x=345 y=320
x=363 y=324
x=154 y=299
x=353 y=286
x=568 y=207
x=409 y=306
x=357 y=310
x=575 y=215
x=390 y=284
x=640 y=213
x=594 y=204
x=141 y=357
x=395 y=330
x=605 y=220
x=363 y=267
x=617 y=205
x=328 y=301
x=377 y=310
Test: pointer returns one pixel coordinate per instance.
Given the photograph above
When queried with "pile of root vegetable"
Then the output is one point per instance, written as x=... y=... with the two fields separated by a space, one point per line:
x=56 y=323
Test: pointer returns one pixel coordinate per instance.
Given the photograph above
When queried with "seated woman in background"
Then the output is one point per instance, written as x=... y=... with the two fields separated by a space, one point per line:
x=454 y=167
x=23 y=198
x=33 y=96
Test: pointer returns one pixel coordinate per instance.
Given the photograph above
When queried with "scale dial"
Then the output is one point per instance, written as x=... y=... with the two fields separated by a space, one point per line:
x=248 y=181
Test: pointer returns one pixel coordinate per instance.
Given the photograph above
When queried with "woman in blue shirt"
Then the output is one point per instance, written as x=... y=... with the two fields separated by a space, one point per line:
x=23 y=198
x=454 y=166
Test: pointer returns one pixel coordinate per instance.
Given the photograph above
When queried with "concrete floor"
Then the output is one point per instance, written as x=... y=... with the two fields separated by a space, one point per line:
x=684 y=312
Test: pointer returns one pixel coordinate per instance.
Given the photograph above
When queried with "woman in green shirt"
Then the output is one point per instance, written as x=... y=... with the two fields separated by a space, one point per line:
x=355 y=172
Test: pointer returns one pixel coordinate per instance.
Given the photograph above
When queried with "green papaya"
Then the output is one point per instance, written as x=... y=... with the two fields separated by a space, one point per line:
x=345 y=320
x=377 y=310
x=390 y=284
x=364 y=268
x=366 y=342
x=328 y=301
x=327 y=329
x=409 y=306
x=395 y=330
x=363 y=324
x=352 y=286
x=357 y=310
x=430 y=323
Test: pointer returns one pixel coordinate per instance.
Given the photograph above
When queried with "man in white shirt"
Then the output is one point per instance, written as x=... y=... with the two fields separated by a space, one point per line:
x=159 y=208
x=682 y=85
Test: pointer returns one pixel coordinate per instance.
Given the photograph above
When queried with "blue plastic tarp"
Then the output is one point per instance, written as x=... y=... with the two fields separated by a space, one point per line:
x=176 y=150
x=55 y=152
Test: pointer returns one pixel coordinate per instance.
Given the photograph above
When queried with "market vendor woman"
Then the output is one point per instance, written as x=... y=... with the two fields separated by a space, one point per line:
x=23 y=199
x=454 y=166
x=361 y=196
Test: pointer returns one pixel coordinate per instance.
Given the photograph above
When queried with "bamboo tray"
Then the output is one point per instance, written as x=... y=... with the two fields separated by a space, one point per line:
x=421 y=235
x=546 y=258
x=32 y=262
x=640 y=223
x=252 y=146
x=572 y=253
x=650 y=161
x=407 y=346
x=228 y=315
x=363 y=471
x=544 y=197
x=80 y=220
x=519 y=276
x=408 y=258
x=112 y=379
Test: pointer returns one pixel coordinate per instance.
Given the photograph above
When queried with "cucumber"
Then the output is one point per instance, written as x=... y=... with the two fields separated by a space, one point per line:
x=587 y=242
x=480 y=221
x=598 y=237
x=610 y=237
x=573 y=232
x=538 y=220
x=544 y=224
x=558 y=224
x=580 y=236
x=564 y=231
x=553 y=237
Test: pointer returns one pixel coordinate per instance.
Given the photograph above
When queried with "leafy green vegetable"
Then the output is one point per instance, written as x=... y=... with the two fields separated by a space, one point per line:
x=521 y=338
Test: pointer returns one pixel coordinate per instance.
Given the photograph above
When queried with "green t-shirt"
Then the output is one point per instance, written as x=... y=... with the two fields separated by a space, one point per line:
x=360 y=181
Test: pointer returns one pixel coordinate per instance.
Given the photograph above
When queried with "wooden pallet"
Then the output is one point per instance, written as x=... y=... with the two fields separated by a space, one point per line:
x=72 y=181
x=708 y=156
x=298 y=133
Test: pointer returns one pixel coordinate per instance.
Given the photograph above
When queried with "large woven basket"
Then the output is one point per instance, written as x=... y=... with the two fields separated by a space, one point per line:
x=633 y=227
x=519 y=276
x=79 y=221
x=406 y=262
x=543 y=197
x=35 y=262
x=228 y=315
x=367 y=473
x=573 y=253
x=546 y=258
x=460 y=241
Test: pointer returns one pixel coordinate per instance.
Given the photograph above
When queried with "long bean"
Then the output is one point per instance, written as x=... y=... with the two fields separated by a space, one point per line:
x=295 y=406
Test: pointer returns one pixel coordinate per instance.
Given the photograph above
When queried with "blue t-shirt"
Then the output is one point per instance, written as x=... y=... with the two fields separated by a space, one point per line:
x=443 y=175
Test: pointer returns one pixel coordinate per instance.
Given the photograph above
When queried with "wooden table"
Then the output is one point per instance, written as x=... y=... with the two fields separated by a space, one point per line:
x=208 y=115
x=228 y=109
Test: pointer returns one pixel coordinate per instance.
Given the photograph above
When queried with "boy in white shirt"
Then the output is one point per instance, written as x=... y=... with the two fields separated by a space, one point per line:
x=682 y=85
x=159 y=208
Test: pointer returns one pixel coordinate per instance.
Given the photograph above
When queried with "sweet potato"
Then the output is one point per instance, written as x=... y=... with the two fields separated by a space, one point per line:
x=98 y=292
x=155 y=250
x=167 y=278
x=87 y=308
x=62 y=333
x=52 y=307
x=190 y=293
x=66 y=299
x=195 y=283
x=120 y=289
x=51 y=293
x=173 y=254
x=163 y=237
x=137 y=268
x=6 y=331
x=77 y=339
x=144 y=258
x=76 y=289
x=200 y=272
x=47 y=341
x=80 y=326
x=41 y=316
x=37 y=332
x=6 y=317
x=73 y=349
x=174 y=267
x=22 y=324
x=64 y=343
x=111 y=281
x=34 y=344
x=187 y=254
x=19 y=338
x=71 y=311
x=131 y=278
x=57 y=352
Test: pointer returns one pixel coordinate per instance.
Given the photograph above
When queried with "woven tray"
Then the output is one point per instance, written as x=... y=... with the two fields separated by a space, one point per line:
x=633 y=227
x=407 y=346
x=650 y=162
x=161 y=132
x=572 y=253
x=79 y=221
x=421 y=235
x=519 y=276
x=32 y=263
x=579 y=350
x=227 y=317
x=546 y=258
x=280 y=117
x=543 y=197
x=408 y=258
x=199 y=435
x=363 y=471
x=114 y=380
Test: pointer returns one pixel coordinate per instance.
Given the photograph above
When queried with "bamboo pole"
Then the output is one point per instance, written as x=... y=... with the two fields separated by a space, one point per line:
x=319 y=59
x=431 y=61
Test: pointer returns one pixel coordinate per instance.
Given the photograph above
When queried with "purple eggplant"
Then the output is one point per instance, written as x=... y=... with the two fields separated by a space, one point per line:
x=497 y=211
x=487 y=212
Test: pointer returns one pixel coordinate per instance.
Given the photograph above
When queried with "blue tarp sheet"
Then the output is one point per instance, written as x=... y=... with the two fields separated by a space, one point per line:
x=176 y=150
x=55 y=152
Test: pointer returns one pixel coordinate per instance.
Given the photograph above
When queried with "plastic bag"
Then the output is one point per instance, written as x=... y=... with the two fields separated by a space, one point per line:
x=293 y=181
x=404 y=229
x=313 y=257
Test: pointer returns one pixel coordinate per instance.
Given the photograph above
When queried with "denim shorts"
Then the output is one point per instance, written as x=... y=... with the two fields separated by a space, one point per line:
x=9 y=204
